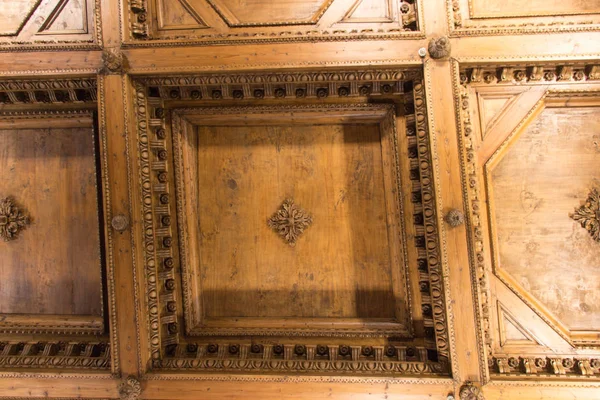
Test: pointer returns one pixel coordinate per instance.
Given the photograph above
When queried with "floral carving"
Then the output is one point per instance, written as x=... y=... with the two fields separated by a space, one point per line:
x=470 y=392
x=12 y=220
x=588 y=215
x=290 y=221
x=130 y=389
x=113 y=61
x=455 y=218
x=439 y=48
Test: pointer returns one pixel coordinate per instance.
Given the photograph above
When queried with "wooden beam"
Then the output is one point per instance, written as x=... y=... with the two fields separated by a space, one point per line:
x=534 y=390
x=268 y=56
x=49 y=63
x=111 y=30
x=31 y=385
x=276 y=388
x=114 y=99
x=459 y=300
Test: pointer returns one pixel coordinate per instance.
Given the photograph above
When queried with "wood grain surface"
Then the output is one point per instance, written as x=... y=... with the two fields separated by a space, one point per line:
x=540 y=180
x=340 y=266
x=54 y=266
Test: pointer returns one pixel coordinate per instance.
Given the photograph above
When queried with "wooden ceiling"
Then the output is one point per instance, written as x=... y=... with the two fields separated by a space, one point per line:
x=304 y=199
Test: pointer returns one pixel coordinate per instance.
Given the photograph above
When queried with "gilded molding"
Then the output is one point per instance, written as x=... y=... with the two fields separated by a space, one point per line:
x=302 y=366
x=429 y=259
x=53 y=328
x=531 y=74
x=420 y=380
x=549 y=366
x=50 y=91
x=280 y=85
x=55 y=355
x=164 y=258
x=110 y=263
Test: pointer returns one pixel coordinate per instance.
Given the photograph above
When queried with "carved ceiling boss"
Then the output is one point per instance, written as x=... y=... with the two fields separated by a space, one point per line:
x=290 y=221
x=12 y=220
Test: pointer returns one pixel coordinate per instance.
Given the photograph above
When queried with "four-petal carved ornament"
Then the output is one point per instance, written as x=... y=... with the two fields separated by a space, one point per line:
x=290 y=221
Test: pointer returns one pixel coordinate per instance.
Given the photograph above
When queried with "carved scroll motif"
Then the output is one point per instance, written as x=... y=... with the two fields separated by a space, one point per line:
x=290 y=221
x=588 y=215
x=12 y=220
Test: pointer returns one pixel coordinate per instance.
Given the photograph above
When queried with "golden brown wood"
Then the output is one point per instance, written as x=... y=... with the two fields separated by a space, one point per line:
x=48 y=163
x=45 y=170
x=190 y=285
x=120 y=247
x=534 y=187
x=344 y=267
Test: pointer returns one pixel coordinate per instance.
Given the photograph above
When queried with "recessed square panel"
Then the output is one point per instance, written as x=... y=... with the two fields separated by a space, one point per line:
x=289 y=223
x=292 y=222
x=50 y=259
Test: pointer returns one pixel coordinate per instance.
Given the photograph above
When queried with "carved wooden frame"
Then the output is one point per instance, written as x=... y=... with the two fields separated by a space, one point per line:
x=141 y=27
x=463 y=22
x=560 y=85
x=169 y=348
x=55 y=103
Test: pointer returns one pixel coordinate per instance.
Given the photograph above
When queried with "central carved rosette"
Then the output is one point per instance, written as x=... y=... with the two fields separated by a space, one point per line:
x=290 y=221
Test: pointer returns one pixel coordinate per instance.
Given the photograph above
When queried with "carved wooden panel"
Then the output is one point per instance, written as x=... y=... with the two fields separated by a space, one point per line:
x=532 y=160
x=282 y=233
x=44 y=169
x=221 y=21
x=51 y=263
x=481 y=17
x=50 y=162
x=49 y=23
x=547 y=172
x=340 y=269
